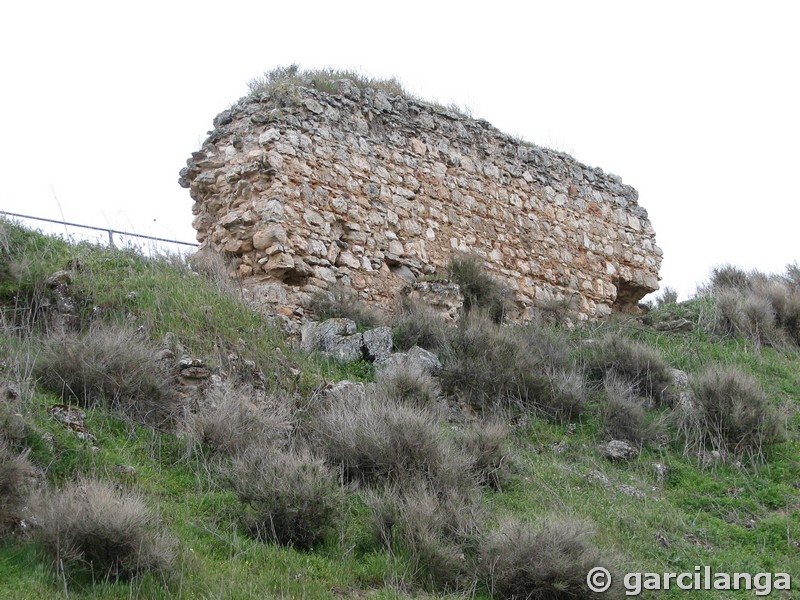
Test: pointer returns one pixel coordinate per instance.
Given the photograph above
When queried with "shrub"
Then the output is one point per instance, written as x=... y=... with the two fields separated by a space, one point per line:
x=109 y=366
x=480 y=291
x=484 y=444
x=409 y=384
x=784 y=298
x=418 y=325
x=494 y=368
x=764 y=309
x=94 y=528
x=283 y=78
x=339 y=302
x=213 y=266
x=550 y=563
x=438 y=529
x=12 y=424
x=294 y=498
x=730 y=414
x=747 y=314
x=624 y=417
x=728 y=276
x=377 y=440
x=17 y=476
x=634 y=363
x=667 y=296
x=232 y=418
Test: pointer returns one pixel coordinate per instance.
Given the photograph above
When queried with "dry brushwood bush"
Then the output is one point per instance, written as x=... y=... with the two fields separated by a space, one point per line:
x=231 y=418
x=378 y=440
x=439 y=529
x=549 y=563
x=496 y=368
x=91 y=527
x=418 y=324
x=639 y=365
x=408 y=383
x=745 y=313
x=730 y=414
x=480 y=291
x=293 y=497
x=764 y=309
x=624 y=416
x=17 y=478
x=484 y=443
x=109 y=366
x=339 y=302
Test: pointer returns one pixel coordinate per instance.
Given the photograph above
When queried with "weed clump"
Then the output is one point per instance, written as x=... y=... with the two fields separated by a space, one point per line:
x=481 y=292
x=294 y=499
x=551 y=563
x=340 y=303
x=624 y=417
x=91 y=527
x=409 y=384
x=638 y=365
x=439 y=529
x=376 y=440
x=418 y=325
x=730 y=414
x=17 y=476
x=232 y=418
x=325 y=80
x=110 y=366
x=764 y=309
x=484 y=443
x=495 y=368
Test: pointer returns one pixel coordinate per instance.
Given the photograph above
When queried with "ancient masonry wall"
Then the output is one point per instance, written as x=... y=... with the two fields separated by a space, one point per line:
x=305 y=189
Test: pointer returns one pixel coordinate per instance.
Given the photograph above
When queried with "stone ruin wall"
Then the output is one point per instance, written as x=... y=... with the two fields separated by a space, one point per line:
x=305 y=189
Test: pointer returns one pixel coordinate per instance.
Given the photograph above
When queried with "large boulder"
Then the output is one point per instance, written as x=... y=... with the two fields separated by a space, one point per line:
x=337 y=338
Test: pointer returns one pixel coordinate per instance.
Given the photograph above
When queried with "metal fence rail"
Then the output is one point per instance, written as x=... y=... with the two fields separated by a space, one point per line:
x=110 y=232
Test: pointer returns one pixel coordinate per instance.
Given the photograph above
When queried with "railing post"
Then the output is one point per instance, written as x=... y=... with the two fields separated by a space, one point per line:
x=111 y=238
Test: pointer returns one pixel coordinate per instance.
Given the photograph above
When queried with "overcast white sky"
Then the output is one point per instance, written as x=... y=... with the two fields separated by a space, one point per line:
x=694 y=103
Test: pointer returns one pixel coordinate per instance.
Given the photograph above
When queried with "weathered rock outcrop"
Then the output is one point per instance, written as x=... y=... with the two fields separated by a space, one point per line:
x=305 y=189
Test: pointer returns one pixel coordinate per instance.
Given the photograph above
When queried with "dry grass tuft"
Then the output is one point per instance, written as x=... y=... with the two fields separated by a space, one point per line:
x=481 y=292
x=339 y=302
x=375 y=440
x=729 y=414
x=294 y=498
x=624 y=417
x=438 y=529
x=92 y=527
x=17 y=478
x=108 y=366
x=418 y=325
x=549 y=563
x=484 y=443
x=232 y=418
x=500 y=368
x=409 y=384
x=639 y=366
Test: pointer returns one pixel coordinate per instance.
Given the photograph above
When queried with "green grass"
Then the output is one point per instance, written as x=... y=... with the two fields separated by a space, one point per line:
x=732 y=517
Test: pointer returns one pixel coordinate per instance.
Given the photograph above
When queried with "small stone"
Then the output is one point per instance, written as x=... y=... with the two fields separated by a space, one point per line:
x=661 y=472
x=595 y=476
x=378 y=344
x=269 y=136
x=629 y=490
x=314 y=106
x=59 y=278
x=618 y=450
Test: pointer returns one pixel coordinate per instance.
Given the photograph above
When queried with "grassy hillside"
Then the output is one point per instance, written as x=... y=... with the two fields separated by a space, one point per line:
x=212 y=459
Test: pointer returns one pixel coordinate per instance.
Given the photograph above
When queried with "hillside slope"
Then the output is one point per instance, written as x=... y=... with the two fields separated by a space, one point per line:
x=242 y=469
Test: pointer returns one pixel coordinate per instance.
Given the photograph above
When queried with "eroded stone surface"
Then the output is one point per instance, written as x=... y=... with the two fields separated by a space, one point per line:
x=306 y=189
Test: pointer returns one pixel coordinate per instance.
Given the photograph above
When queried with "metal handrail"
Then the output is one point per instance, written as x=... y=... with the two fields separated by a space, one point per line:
x=111 y=232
